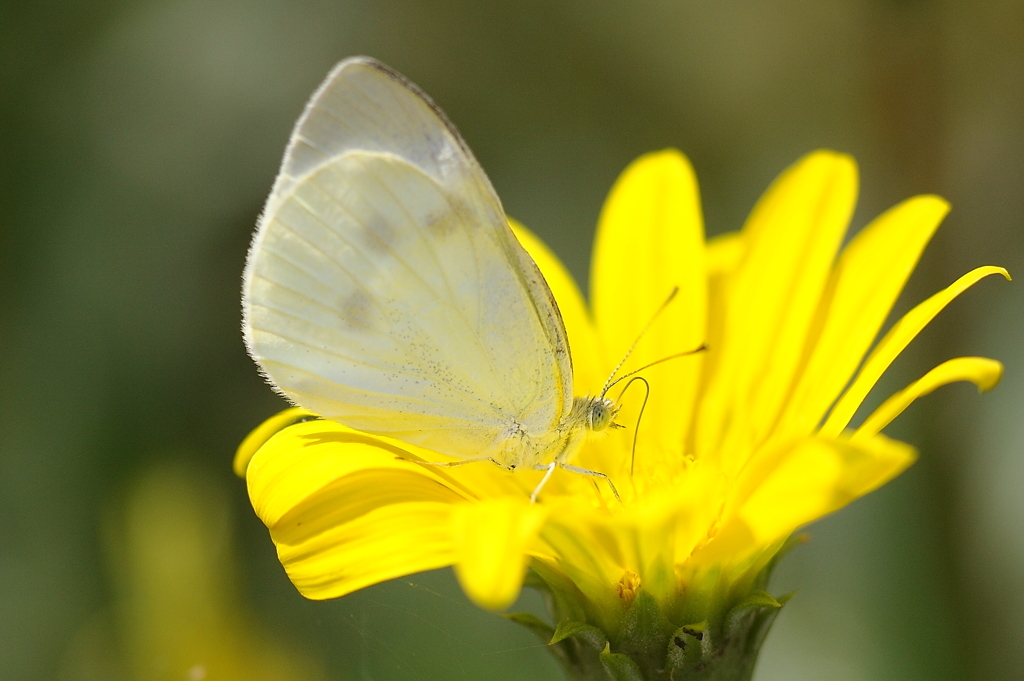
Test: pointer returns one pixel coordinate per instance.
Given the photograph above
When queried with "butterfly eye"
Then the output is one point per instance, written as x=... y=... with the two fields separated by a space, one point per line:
x=600 y=415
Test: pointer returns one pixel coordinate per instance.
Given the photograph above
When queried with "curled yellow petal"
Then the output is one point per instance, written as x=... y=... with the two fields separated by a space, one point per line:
x=347 y=510
x=893 y=343
x=865 y=283
x=491 y=538
x=320 y=473
x=983 y=372
x=263 y=432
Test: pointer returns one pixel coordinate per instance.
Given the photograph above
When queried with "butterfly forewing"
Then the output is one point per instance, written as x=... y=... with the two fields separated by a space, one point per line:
x=384 y=288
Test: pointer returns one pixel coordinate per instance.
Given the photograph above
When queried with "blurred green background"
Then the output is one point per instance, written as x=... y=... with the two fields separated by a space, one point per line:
x=139 y=140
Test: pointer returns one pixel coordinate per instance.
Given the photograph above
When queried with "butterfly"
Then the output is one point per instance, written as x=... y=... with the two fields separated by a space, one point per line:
x=385 y=290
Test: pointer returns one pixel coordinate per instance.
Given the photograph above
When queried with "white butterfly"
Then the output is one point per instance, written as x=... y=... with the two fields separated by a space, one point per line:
x=385 y=290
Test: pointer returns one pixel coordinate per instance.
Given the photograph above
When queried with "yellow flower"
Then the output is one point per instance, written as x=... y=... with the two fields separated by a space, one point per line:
x=176 y=613
x=737 y=447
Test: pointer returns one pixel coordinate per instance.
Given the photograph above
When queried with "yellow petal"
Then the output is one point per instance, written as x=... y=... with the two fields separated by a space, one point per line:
x=388 y=542
x=347 y=509
x=660 y=531
x=587 y=549
x=587 y=360
x=868 y=278
x=724 y=253
x=648 y=537
x=491 y=539
x=893 y=343
x=263 y=432
x=724 y=256
x=318 y=474
x=650 y=241
x=983 y=372
x=791 y=239
x=804 y=482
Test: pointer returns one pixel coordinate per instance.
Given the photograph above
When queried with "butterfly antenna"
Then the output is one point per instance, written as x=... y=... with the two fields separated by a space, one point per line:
x=636 y=431
x=701 y=348
x=608 y=384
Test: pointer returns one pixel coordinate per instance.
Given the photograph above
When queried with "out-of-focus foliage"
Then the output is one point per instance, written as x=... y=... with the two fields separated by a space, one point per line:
x=138 y=139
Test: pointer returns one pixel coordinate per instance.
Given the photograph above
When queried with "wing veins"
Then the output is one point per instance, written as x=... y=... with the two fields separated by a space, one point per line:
x=309 y=209
x=411 y=357
x=426 y=239
x=367 y=132
x=312 y=145
x=303 y=295
x=404 y=372
x=503 y=417
x=356 y=130
x=342 y=268
x=415 y=222
x=474 y=330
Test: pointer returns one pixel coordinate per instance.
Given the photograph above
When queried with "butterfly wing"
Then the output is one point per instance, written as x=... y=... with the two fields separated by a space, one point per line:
x=384 y=288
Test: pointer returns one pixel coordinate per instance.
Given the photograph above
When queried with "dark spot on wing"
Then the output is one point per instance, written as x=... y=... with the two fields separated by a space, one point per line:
x=381 y=235
x=356 y=309
x=442 y=223
x=450 y=218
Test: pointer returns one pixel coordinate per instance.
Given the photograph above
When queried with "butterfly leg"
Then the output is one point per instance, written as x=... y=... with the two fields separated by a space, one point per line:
x=593 y=474
x=550 y=468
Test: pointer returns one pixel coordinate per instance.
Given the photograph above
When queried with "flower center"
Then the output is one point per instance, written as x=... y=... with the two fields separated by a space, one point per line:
x=628 y=586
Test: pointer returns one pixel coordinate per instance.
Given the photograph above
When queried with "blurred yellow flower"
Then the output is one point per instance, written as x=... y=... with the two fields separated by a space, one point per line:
x=738 y=446
x=177 y=614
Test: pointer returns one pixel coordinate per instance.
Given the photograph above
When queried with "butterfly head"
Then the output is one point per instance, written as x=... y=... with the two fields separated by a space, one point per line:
x=601 y=414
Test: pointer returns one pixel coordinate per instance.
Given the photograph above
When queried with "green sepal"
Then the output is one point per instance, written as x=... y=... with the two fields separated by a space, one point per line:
x=749 y=621
x=577 y=647
x=730 y=619
x=563 y=597
x=619 y=666
x=586 y=633
x=643 y=633
x=573 y=642
x=688 y=648
x=535 y=581
x=539 y=627
x=738 y=619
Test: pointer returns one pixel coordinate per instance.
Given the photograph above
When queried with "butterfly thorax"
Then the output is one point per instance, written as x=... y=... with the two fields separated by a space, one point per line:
x=522 y=449
x=588 y=414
